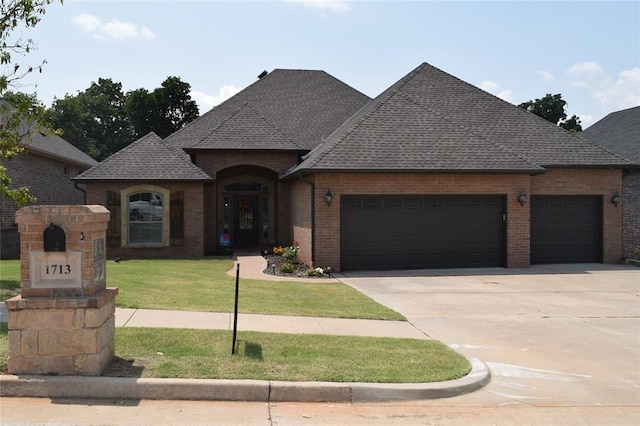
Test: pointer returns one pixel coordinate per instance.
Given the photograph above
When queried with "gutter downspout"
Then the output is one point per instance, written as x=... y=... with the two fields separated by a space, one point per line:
x=84 y=192
x=313 y=218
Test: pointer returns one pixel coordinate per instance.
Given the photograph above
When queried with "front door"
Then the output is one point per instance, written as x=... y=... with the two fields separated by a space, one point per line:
x=246 y=221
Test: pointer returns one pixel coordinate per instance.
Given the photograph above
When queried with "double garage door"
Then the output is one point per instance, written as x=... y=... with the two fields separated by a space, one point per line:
x=452 y=231
x=414 y=232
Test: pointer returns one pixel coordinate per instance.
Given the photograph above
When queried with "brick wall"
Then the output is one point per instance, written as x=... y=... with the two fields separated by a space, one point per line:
x=602 y=182
x=631 y=214
x=193 y=220
x=48 y=180
x=328 y=217
x=262 y=167
x=300 y=212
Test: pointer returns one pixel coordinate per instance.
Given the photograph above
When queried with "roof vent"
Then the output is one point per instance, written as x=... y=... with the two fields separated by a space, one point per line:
x=262 y=74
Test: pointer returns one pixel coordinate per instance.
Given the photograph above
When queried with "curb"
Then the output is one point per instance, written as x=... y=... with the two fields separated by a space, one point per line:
x=77 y=387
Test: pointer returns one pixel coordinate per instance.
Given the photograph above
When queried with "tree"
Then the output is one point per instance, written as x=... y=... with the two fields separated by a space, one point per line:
x=95 y=121
x=551 y=108
x=163 y=111
x=102 y=120
x=142 y=111
x=175 y=106
x=17 y=121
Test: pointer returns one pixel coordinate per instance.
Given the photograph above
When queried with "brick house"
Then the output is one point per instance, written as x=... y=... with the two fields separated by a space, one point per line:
x=619 y=133
x=46 y=167
x=433 y=172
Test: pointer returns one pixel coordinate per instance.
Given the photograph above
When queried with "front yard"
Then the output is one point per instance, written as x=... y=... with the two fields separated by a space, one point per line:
x=204 y=285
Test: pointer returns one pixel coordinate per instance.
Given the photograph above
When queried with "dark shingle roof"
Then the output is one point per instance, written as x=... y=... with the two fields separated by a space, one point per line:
x=147 y=159
x=432 y=121
x=246 y=129
x=618 y=132
x=297 y=107
x=51 y=145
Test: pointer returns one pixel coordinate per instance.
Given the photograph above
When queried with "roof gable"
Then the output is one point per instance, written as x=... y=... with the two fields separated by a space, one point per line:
x=431 y=121
x=147 y=159
x=305 y=106
x=618 y=132
x=49 y=144
x=246 y=129
x=396 y=134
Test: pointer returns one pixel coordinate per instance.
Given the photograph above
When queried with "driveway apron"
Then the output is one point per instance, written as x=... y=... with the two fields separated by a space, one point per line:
x=562 y=335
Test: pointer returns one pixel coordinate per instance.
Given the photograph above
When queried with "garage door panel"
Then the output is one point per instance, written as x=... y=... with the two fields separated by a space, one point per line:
x=566 y=229
x=413 y=232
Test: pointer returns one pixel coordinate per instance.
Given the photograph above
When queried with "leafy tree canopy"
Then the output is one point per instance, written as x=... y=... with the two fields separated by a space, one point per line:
x=102 y=119
x=20 y=115
x=95 y=121
x=552 y=108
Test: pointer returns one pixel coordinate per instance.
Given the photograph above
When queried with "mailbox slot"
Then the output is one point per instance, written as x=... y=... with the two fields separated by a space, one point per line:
x=54 y=238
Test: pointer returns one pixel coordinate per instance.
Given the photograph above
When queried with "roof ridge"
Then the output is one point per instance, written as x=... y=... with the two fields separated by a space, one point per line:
x=605 y=149
x=469 y=130
x=270 y=123
x=364 y=113
x=243 y=106
x=118 y=153
x=182 y=156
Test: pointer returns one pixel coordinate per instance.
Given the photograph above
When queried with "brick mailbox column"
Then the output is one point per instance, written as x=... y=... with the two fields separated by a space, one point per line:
x=63 y=321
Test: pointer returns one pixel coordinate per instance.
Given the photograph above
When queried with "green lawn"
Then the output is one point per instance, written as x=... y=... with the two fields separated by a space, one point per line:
x=204 y=285
x=9 y=279
x=146 y=352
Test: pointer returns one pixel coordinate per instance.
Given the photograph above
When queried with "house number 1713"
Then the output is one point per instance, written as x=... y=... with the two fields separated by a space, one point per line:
x=57 y=269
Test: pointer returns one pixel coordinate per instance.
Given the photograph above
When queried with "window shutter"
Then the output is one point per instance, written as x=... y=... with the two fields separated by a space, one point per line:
x=113 y=228
x=177 y=218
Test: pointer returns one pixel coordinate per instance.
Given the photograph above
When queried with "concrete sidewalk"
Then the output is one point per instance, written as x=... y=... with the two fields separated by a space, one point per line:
x=267 y=323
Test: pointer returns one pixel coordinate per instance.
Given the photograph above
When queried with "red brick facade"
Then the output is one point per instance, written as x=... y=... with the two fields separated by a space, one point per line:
x=48 y=181
x=194 y=235
x=604 y=182
x=298 y=205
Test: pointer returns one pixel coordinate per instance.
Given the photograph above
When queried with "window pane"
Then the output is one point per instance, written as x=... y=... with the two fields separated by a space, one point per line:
x=145 y=232
x=146 y=215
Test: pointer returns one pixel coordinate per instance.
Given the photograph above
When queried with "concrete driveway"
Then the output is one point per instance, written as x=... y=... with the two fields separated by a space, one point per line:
x=565 y=335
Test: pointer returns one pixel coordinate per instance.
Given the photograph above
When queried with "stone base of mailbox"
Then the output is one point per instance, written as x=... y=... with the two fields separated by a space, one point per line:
x=62 y=336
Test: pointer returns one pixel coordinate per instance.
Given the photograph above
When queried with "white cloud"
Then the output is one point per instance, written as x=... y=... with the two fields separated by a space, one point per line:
x=206 y=102
x=113 y=29
x=586 y=120
x=147 y=33
x=88 y=23
x=495 y=89
x=325 y=5
x=586 y=74
x=119 y=30
x=621 y=92
x=546 y=75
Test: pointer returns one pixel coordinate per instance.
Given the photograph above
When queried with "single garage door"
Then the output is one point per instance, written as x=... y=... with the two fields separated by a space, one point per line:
x=416 y=232
x=566 y=229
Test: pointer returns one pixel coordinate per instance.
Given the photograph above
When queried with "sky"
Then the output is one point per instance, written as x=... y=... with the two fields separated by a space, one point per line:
x=589 y=52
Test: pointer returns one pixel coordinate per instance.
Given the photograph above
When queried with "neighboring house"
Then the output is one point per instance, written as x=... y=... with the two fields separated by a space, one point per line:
x=434 y=172
x=619 y=133
x=45 y=167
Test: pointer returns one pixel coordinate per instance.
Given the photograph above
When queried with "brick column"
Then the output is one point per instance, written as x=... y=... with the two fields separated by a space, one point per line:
x=63 y=320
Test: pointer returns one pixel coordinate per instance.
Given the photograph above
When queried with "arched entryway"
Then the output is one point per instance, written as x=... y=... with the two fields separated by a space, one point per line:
x=246 y=207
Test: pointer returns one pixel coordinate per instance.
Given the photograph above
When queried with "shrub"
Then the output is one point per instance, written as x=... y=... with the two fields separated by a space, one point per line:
x=291 y=253
x=278 y=250
x=287 y=268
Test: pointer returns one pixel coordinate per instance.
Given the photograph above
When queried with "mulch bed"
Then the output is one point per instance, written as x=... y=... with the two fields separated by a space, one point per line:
x=300 y=269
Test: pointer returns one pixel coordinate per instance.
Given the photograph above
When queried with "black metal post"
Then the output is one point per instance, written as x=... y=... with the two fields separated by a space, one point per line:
x=235 y=311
